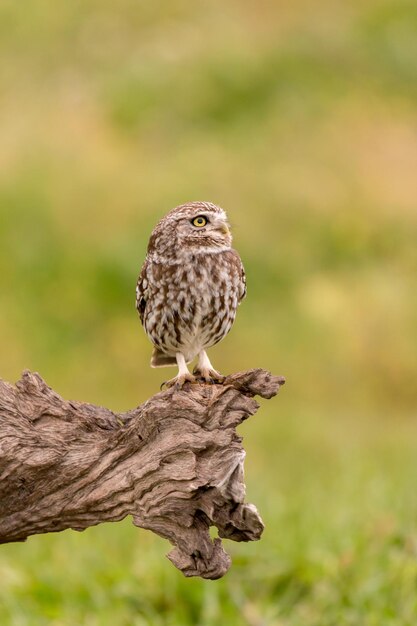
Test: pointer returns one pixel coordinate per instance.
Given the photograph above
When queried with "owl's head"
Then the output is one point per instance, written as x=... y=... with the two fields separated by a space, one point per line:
x=196 y=227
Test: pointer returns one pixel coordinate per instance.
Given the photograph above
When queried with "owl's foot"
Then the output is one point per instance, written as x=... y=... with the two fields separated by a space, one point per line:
x=179 y=381
x=182 y=377
x=208 y=375
x=204 y=370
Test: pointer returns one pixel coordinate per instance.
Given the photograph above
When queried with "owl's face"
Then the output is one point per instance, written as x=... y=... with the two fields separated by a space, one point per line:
x=203 y=228
x=194 y=227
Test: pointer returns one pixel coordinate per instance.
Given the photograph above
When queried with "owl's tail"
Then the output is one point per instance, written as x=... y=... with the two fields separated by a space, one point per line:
x=159 y=359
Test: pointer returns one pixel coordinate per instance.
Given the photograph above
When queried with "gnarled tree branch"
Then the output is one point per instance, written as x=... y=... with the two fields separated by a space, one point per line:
x=175 y=464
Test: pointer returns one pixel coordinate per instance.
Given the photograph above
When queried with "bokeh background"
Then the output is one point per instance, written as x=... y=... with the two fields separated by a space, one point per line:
x=299 y=118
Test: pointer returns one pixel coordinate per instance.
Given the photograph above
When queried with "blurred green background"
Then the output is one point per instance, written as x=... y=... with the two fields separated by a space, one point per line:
x=300 y=119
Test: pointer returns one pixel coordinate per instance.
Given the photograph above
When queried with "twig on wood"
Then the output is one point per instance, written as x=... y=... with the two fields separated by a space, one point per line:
x=175 y=464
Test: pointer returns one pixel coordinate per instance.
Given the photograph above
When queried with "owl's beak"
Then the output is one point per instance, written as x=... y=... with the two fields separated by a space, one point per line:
x=224 y=228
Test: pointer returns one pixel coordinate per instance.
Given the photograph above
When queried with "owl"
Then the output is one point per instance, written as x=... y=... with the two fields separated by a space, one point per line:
x=189 y=288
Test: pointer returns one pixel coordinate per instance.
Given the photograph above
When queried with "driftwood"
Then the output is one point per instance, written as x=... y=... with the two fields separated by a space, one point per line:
x=175 y=464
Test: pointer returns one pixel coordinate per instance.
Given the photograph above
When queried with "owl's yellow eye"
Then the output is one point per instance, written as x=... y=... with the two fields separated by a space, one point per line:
x=199 y=221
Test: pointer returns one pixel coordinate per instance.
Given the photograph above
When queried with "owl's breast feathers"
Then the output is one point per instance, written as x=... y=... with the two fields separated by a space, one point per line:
x=190 y=304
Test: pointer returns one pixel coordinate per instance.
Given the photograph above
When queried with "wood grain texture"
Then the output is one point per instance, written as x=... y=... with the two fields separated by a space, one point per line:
x=175 y=464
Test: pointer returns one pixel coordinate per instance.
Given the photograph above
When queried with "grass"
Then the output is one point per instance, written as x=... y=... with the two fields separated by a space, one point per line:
x=299 y=120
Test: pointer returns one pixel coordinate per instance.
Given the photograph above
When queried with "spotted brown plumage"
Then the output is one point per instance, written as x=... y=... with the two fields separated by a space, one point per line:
x=189 y=288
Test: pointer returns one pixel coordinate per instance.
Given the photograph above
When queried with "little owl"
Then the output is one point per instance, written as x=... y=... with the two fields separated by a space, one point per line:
x=189 y=289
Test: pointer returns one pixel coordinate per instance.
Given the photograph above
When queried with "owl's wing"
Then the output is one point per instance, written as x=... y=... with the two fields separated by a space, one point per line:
x=141 y=290
x=240 y=270
x=243 y=289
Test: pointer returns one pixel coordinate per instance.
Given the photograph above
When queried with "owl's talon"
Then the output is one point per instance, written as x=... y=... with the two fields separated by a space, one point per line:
x=179 y=381
x=209 y=376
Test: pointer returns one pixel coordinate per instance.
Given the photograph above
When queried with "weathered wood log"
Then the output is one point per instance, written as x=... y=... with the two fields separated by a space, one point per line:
x=175 y=464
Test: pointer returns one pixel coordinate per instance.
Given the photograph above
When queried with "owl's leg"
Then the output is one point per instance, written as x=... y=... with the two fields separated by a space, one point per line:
x=206 y=371
x=183 y=374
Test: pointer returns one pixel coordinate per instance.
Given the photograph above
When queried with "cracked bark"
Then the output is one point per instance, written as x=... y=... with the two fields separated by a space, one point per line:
x=175 y=464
